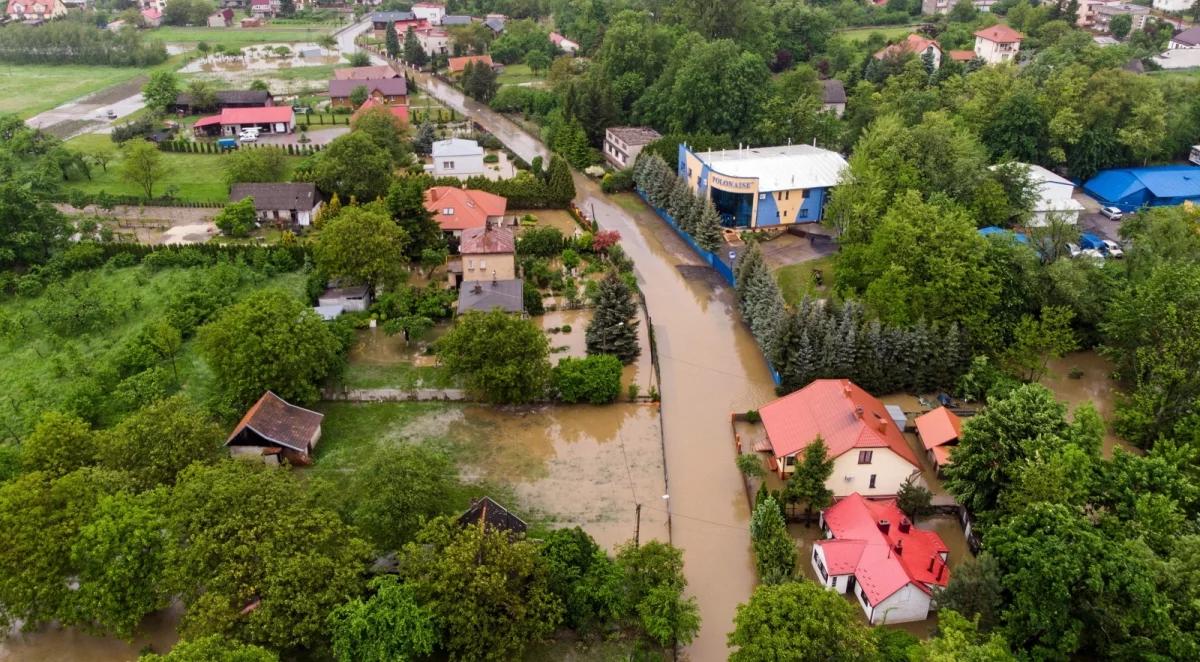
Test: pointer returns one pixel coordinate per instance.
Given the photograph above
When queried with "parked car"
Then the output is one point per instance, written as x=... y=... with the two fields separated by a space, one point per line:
x=1113 y=249
x=1111 y=213
x=111 y=114
x=248 y=135
x=1073 y=250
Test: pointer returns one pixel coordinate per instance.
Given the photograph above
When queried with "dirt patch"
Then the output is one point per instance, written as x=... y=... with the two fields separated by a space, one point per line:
x=555 y=218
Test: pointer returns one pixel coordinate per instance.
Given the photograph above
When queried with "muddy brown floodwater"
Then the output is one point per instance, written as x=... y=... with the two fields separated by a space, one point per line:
x=1094 y=385
x=51 y=644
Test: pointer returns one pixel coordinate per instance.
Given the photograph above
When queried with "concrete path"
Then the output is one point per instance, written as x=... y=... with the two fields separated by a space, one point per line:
x=710 y=367
x=90 y=113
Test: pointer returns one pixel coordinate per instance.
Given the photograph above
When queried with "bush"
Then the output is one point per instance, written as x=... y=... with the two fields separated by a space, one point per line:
x=541 y=242
x=532 y=299
x=595 y=379
x=491 y=158
x=615 y=182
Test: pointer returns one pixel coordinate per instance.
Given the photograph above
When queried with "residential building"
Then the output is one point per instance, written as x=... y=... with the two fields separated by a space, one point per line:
x=430 y=12
x=1153 y=186
x=833 y=96
x=378 y=72
x=563 y=44
x=487 y=514
x=225 y=99
x=457 y=157
x=35 y=10
x=623 y=144
x=495 y=22
x=1102 y=15
x=488 y=253
x=152 y=18
x=872 y=551
x=1189 y=38
x=869 y=452
x=221 y=19
x=391 y=91
x=276 y=432
x=915 y=44
x=268 y=119
x=280 y=203
x=961 y=56
x=457 y=209
x=382 y=21
x=451 y=20
x=356 y=298
x=263 y=8
x=939 y=431
x=1176 y=6
x=755 y=187
x=252 y=22
x=932 y=7
x=997 y=44
x=399 y=112
x=1085 y=17
x=485 y=296
x=433 y=41
x=456 y=65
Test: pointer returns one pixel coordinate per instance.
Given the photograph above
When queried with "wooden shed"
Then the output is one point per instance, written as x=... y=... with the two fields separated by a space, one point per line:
x=276 y=431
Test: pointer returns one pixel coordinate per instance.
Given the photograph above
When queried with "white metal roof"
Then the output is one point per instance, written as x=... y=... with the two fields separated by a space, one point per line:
x=780 y=168
x=456 y=147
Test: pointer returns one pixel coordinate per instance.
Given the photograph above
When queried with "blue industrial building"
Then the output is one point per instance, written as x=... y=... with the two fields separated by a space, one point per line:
x=1131 y=188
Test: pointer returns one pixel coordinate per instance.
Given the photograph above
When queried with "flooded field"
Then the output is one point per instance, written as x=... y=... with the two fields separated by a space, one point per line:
x=262 y=57
x=157 y=634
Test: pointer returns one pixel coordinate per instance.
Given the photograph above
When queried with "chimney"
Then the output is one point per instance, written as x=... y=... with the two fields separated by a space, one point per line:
x=858 y=412
x=899 y=547
x=884 y=525
x=846 y=388
x=904 y=525
x=881 y=424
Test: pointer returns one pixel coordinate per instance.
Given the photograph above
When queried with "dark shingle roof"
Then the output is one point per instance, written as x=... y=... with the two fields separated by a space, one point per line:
x=340 y=88
x=270 y=196
x=635 y=135
x=491 y=515
x=833 y=91
x=384 y=16
x=259 y=97
x=507 y=295
x=275 y=420
x=456 y=19
x=1190 y=36
x=495 y=24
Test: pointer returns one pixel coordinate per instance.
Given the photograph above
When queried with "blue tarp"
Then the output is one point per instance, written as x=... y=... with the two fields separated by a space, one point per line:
x=993 y=230
x=1131 y=188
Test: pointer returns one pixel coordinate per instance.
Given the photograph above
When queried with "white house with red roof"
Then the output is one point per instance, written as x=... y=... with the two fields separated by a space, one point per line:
x=870 y=455
x=432 y=12
x=997 y=44
x=29 y=10
x=872 y=551
x=565 y=45
x=267 y=119
x=915 y=44
x=457 y=209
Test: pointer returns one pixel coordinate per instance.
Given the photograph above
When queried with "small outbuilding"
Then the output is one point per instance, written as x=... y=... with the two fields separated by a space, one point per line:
x=1130 y=188
x=939 y=430
x=356 y=298
x=457 y=157
x=487 y=514
x=276 y=431
x=281 y=203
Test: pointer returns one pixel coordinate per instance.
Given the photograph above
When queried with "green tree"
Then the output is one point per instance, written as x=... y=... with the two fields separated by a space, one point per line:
x=160 y=91
x=479 y=81
x=975 y=592
x=537 y=61
x=750 y=465
x=1035 y=342
x=394 y=492
x=390 y=626
x=1120 y=25
x=165 y=341
x=799 y=621
x=806 y=484
x=362 y=245
x=267 y=579
x=655 y=585
x=423 y=140
x=489 y=594
x=202 y=96
x=353 y=166
x=392 y=42
x=213 y=648
x=137 y=444
x=359 y=95
x=58 y=445
x=413 y=53
x=959 y=640
x=30 y=227
x=588 y=583
x=501 y=357
x=594 y=379
x=237 y=219
x=269 y=342
x=121 y=556
x=915 y=500
x=385 y=130
x=142 y=165
x=262 y=164
x=707 y=229
x=559 y=182
x=406 y=202
x=774 y=551
x=613 y=328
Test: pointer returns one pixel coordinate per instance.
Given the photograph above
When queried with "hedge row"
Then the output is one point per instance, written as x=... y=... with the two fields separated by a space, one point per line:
x=79 y=200
x=190 y=147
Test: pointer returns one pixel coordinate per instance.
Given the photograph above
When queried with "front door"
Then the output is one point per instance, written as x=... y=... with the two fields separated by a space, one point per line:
x=850 y=584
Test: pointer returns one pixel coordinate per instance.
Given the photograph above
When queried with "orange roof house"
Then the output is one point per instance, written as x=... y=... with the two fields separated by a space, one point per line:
x=875 y=553
x=400 y=112
x=998 y=43
x=870 y=453
x=458 y=64
x=457 y=209
x=939 y=431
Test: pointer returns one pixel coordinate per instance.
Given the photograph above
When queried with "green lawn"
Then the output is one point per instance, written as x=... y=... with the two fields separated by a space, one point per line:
x=796 y=279
x=889 y=32
x=198 y=177
x=237 y=37
x=400 y=375
x=514 y=74
x=28 y=89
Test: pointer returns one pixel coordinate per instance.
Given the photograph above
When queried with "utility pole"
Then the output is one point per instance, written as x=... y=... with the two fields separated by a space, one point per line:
x=637 y=527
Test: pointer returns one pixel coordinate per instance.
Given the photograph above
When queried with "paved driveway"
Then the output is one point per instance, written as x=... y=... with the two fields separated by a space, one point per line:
x=315 y=136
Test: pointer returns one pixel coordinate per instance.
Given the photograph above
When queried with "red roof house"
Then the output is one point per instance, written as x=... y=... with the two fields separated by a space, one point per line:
x=870 y=453
x=274 y=429
x=915 y=44
x=457 y=209
x=875 y=553
x=458 y=64
x=939 y=431
x=399 y=112
x=997 y=44
x=267 y=119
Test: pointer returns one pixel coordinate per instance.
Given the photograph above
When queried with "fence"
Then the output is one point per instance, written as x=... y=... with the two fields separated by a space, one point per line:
x=194 y=147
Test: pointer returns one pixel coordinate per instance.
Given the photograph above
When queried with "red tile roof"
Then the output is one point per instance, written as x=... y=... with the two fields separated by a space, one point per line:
x=961 y=56
x=883 y=563
x=399 y=111
x=457 y=64
x=274 y=419
x=467 y=208
x=913 y=43
x=829 y=408
x=1001 y=34
x=486 y=240
x=261 y=115
x=938 y=427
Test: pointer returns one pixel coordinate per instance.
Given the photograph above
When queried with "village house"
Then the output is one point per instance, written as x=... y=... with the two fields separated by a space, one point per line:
x=151 y=18
x=277 y=432
x=939 y=431
x=224 y=99
x=932 y=7
x=495 y=22
x=915 y=44
x=563 y=44
x=997 y=44
x=431 y=12
x=870 y=455
x=1102 y=16
x=221 y=19
x=35 y=10
x=457 y=157
x=399 y=112
x=487 y=253
x=434 y=41
x=451 y=20
x=269 y=119
x=400 y=21
x=375 y=72
x=872 y=551
x=457 y=209
x=489 y=515
x=1189 y=38
x=391 y=91
x=1174 y=6
x=456 y=65
x=291 y=204
x=263 y=8
x=488 y=295
x=833 y=96
x=623 y=144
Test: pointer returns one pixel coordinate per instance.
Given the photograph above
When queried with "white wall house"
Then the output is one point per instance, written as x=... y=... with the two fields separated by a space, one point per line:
x=997 y=44
x=457 y=158
x=433 y=40
x=430 y=11
x=1173 y=5
x=623 y=144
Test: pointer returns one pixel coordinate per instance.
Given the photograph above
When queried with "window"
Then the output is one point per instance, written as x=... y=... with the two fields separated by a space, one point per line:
x=790 y=461
x=470 y=265
x=865 y=457
x=872 y=483
x=834 y=582
x=448 y=165
x=862 y=595
x=483 y=264
x=448 y=211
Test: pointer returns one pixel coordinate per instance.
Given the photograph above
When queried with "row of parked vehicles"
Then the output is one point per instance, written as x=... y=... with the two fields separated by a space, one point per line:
x=1091 y=245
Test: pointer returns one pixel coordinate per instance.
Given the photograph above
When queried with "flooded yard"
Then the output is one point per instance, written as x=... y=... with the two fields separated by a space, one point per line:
x=573 y=344
x=1093 y=384
x=52 y=644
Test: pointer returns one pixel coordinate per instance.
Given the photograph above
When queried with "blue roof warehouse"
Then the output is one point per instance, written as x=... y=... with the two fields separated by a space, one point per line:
x=1154 y=186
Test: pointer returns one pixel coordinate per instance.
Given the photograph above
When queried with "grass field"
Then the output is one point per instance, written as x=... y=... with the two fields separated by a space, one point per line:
x=889 y=32
x=400 y=375
x=515 y=74
x=237 y=37
x=28 y=89
x=796 y=279
x=198 y=177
